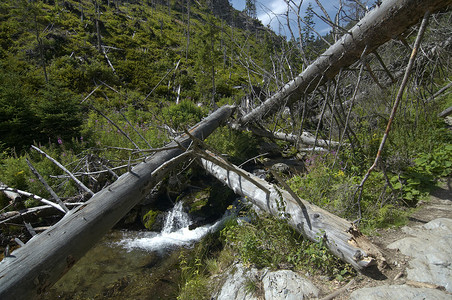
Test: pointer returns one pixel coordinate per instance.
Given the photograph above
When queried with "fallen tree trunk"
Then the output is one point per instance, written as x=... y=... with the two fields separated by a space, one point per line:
x=341 y=237
x=32 y=269
x=445 y=112
x=305 y=138
x=383 y=23
x=33 y=213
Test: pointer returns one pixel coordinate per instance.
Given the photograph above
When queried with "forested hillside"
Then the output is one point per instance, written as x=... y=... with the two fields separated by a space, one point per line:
x=136 y=55
x=99 y=85
x=161 y=64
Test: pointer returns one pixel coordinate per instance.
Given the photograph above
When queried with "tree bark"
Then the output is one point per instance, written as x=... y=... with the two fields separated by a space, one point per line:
x=314 y=223
x=380 y=25
x=305 y=138
x=445 y=112
x=32 y=269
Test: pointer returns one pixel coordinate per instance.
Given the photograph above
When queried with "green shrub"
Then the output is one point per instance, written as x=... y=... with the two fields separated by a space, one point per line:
x=182 y=115
x=15 y=173
x=269 y=242
x=239 y=146
x=195 y=283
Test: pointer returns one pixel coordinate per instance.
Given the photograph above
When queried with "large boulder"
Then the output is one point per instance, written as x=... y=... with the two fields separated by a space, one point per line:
x=235 y=287
x=249 y=284
x=430 y=247
x=288 y=285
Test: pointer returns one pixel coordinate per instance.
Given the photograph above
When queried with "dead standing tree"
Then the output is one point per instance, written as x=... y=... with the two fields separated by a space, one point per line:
x=385 y=22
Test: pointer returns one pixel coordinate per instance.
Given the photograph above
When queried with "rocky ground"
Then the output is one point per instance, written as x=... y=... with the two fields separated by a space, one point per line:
x=419 y=258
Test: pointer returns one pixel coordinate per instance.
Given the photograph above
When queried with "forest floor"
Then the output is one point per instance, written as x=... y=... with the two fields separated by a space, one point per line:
x=400 y=267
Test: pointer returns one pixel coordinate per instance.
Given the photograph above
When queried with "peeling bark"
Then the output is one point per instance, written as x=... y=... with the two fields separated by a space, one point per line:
x=308 y=219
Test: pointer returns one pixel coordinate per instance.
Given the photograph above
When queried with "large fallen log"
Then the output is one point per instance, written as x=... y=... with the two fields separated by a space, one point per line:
x=32 y=269
x=305 y=138
x=383 y=23
x=341 y=237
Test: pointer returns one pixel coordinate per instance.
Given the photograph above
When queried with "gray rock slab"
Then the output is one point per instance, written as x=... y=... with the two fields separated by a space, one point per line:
x=430 y=247
x=288 y=285
x=399 y=292
x=234 y=288
x=277 y=285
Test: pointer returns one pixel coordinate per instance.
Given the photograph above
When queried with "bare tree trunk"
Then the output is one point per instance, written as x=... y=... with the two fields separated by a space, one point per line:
x=304 y=138
x=380 y=25
x=314 y=223
x=188 y=30
x=99 y=40
x=445 y=112
x=41 y=49
x=32 y=269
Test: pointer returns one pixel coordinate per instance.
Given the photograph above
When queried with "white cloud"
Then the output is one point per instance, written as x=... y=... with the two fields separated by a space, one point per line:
x=273 y=12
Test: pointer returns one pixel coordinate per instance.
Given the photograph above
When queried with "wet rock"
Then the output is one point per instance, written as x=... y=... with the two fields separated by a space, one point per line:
x=431 y=250
x=400 y=292
x=130 y=218
x=281 y=168
x=153 y=220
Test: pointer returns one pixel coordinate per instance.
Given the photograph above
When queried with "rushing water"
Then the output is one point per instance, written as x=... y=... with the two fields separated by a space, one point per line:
x=175 y=233
x=132 y=264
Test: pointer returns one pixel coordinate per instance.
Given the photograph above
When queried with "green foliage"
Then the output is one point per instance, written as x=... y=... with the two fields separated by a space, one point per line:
x=27 y=116
x=239 y=146
x=419 y=178
x=194 y=270
x=437 y=163
x=149 y=218
x=17 y=120
x=316 y=258
x=182 y=115
x=99 y=133
x=143 y=46
x=15 y=173
x=267 y=242
x=251 y=286
x=59 y=115
x=335 y=190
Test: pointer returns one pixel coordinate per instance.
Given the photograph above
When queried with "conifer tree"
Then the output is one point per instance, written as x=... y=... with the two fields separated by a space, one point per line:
x=250 y=8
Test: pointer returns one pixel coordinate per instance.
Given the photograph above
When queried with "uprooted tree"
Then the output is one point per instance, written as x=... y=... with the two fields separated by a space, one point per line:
x=39 y=263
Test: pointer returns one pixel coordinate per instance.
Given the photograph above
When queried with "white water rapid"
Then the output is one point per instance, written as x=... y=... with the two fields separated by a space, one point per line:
x=175 y=233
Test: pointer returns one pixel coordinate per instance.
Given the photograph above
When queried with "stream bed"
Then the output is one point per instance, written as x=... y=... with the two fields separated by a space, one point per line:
x=132 y=264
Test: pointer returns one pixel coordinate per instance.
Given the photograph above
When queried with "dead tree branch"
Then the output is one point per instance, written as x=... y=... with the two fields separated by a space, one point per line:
x=78 y=182
x=390 y=19
x=33 y=268
x=47 y=187
x=395 y=106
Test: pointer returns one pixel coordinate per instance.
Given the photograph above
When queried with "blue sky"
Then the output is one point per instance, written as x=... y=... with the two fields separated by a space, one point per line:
x=269 y=11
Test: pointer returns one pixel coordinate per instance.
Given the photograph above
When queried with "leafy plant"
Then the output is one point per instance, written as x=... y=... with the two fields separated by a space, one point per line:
x=195 y=284
x=266 y=242
x=237 y=145
x=182 y=115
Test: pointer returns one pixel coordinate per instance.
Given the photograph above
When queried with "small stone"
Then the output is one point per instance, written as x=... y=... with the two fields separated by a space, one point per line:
x=281 y=168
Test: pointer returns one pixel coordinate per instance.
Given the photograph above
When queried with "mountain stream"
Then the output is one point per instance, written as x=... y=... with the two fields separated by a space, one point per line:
x=132 y=264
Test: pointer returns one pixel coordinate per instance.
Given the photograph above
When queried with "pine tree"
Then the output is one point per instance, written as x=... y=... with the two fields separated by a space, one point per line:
x=250 y=8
